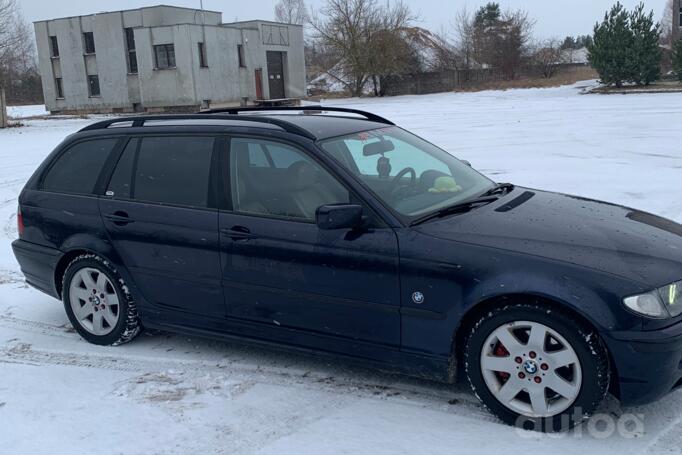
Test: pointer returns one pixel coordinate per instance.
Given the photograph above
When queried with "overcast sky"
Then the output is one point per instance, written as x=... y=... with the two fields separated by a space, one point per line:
x=554 y=17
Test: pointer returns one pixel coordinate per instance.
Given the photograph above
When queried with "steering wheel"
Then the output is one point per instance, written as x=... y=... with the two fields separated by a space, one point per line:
x=395 y=183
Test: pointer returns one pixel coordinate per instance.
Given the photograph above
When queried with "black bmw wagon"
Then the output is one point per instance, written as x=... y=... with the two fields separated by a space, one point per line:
x=335 y=231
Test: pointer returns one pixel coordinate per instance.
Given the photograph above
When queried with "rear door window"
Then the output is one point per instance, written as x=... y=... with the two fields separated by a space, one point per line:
x=167 y=170
x=77 y=170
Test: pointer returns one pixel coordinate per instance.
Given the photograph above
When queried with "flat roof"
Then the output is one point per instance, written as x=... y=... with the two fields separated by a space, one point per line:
x=126 y=10
x=261 y=20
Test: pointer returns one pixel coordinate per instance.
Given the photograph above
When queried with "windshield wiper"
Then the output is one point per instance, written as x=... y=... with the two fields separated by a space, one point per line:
x=457 y=208
x=499 y=188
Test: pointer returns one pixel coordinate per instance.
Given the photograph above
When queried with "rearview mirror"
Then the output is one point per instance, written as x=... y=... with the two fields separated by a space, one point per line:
x=345 y=216
x=468 y=163
x=378 y=148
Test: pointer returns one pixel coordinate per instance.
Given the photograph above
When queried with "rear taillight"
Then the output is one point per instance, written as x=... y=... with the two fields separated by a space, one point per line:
x=20 y=222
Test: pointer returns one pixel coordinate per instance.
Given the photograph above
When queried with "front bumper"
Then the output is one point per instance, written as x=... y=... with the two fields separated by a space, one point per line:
x=38 y=264
x=649 y=363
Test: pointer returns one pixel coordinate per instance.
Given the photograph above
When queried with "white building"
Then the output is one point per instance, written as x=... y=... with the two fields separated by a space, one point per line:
x=166 y=58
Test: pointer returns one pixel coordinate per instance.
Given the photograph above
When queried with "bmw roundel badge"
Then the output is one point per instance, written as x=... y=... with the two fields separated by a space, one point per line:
x=418 y=297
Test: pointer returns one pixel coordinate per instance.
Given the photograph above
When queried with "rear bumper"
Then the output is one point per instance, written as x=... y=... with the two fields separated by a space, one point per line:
x=649 y=364
x=38 y=265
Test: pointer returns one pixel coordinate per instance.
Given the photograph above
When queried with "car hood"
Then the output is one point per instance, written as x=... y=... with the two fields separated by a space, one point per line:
x=610 y=238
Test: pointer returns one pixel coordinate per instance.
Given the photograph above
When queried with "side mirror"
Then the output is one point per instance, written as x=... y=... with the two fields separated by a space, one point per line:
x=345 y=216
x=468 y=163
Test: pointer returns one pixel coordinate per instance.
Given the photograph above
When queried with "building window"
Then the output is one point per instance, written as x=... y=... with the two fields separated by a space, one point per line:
x=93 y=85
x=54 y=45
x=59 y=87
x=203 y=62
x=277 y=35
x=165 y=56
x=132 y=53
x=89 y=42
x=240 y=53
x=680 y=17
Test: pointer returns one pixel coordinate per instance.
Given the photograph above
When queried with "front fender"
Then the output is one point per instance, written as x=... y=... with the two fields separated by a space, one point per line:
x=589 y=295
x=456 y=278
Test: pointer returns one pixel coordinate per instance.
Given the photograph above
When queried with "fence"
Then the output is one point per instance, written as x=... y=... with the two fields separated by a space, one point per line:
x=448 y=80
x=3 y=109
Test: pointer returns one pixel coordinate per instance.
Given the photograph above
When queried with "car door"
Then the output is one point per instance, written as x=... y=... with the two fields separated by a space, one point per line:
x=281 y=270
x=161 y=216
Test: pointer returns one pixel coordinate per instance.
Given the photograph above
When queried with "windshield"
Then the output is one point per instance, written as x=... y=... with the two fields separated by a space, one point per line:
x=408 y=174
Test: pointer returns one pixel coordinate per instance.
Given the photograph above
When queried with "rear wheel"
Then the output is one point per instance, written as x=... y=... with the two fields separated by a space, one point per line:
x=97 y=302
x=536 y=368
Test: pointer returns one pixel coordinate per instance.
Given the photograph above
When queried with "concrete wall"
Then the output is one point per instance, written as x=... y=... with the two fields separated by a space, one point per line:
x=187 y=85
x=294 y=62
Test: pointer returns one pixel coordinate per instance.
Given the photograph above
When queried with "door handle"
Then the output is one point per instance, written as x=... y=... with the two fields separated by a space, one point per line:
x=237 y=233
x=119 y=218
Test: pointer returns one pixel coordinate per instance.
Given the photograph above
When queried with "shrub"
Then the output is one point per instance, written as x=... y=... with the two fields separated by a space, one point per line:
x=646 y=54
x=610 y=52
x=625 y=47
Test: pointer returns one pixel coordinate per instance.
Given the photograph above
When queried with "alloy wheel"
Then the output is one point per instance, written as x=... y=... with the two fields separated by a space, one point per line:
x=94 y=301
x=531 y=369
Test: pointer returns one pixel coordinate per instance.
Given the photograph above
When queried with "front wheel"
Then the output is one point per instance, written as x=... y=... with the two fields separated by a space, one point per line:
x=537 y=368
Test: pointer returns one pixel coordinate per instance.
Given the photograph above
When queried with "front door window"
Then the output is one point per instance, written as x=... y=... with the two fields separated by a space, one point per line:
x=277 y=180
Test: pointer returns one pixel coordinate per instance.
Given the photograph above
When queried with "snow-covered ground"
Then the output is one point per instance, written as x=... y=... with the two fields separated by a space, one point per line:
x=18 y=112
x=171 y=394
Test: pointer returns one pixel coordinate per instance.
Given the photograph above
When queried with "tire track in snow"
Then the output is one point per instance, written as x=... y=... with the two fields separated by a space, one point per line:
x=10 y=229
x=10 y=322
x=9 y=277
x=669 y=440
x=461 y=402
x=13 y=182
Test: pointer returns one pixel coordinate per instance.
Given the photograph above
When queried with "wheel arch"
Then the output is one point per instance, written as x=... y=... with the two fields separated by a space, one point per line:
x=85 y=244
x=476 y=311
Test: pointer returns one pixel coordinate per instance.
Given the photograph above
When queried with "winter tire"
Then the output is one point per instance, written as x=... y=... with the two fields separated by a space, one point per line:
x=536 y=368
x=98 y=303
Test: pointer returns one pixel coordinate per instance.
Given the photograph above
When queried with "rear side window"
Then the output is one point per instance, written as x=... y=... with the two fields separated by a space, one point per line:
x=121 y=183
x=76 y=171
x=168 y=170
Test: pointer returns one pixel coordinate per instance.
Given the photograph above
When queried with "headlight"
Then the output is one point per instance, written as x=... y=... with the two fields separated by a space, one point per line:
x=671 y=296
x=662 y=303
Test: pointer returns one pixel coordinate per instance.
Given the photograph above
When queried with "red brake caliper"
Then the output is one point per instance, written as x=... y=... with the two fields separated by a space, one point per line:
x=501 y=351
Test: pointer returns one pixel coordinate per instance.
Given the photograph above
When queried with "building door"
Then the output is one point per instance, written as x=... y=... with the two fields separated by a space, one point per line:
x=259 y=84
x=276 y=74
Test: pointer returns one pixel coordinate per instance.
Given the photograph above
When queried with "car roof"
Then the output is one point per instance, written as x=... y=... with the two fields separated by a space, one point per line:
x=328 y=126
x=312 y=122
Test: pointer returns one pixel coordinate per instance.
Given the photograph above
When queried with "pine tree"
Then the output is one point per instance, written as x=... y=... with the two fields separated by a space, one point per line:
x=645 y=52
x=677 y=59
x=611 y=49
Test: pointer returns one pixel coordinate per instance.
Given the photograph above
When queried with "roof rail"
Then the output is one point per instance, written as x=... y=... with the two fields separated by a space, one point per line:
x=311 y=109
x=139 y=121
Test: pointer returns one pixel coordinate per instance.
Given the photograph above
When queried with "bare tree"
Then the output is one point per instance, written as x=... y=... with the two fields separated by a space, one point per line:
x=445 y=53
x=549 y=56
x=667 y=31
x=18 y=71
x=291 y=12
x=464 y=37
x=514 y=45
x=364 y=37
x=501 y=40
x=11 y=31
